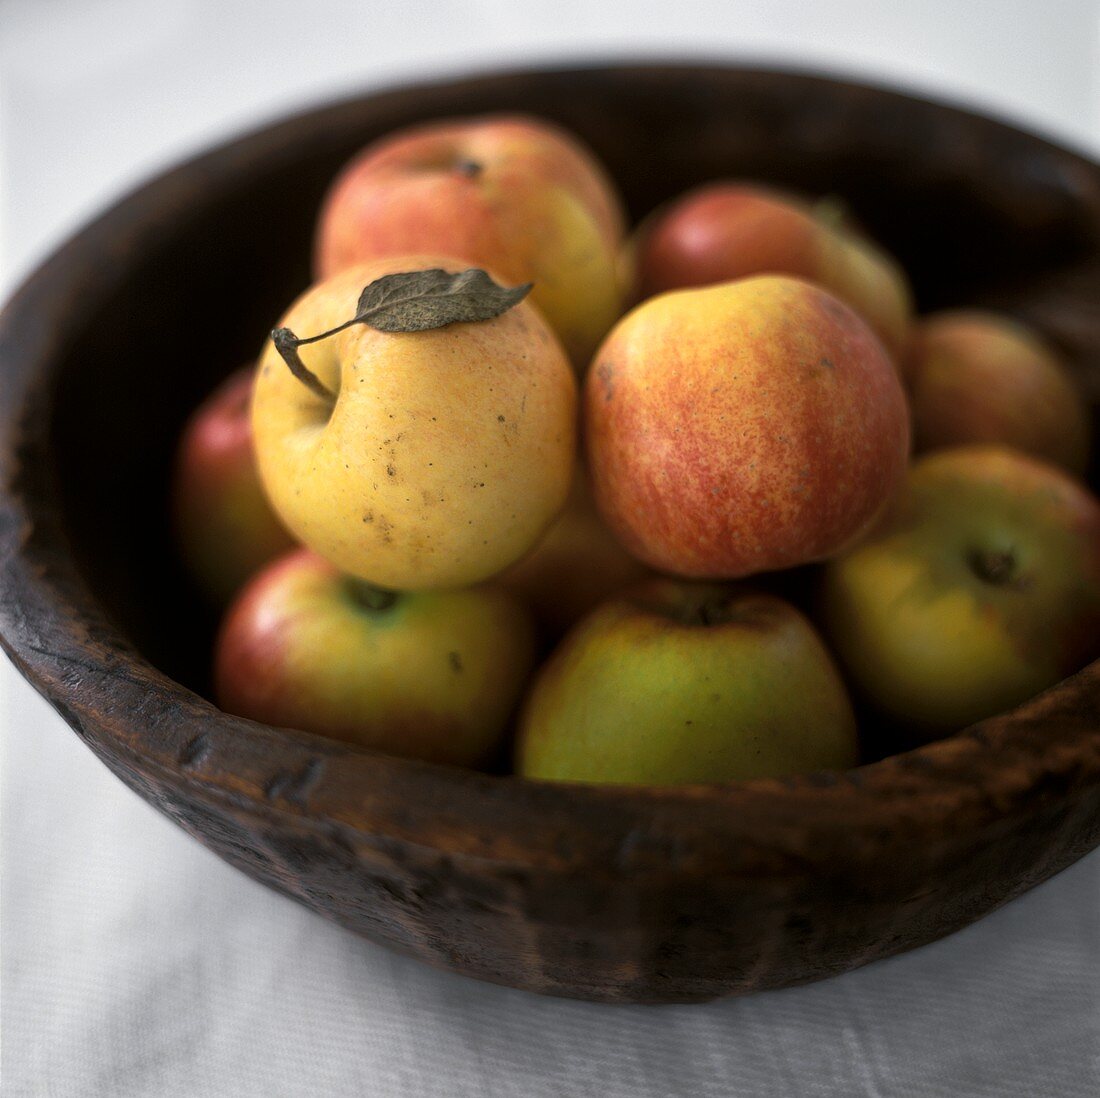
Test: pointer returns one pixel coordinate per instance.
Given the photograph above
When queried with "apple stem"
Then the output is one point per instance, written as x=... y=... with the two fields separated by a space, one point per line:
x=409 y=301
x=993 y=566
x=287 y=344
x=371 y=597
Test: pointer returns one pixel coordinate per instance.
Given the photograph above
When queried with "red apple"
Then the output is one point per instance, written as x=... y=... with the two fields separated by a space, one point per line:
x=975 y=376
x=729 y=230
x=431 y=676
x=225 y=528
x=746 y=427
x=577 y=564
x=512 y=194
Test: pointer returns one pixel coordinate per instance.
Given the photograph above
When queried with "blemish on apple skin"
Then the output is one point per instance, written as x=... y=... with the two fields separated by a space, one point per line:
x=391 y=471
x=605 y=375
x=455 y=660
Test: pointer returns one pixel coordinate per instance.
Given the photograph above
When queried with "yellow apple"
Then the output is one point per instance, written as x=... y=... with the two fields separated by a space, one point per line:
x=445 y=454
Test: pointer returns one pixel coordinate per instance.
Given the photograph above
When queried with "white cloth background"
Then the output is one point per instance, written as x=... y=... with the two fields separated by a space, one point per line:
x=134 y=962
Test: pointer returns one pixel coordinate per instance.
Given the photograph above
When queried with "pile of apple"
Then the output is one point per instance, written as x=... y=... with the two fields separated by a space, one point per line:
x=460 y=524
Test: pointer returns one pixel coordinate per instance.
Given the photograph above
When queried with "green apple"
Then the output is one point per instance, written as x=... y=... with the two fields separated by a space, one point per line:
x=433 y=676
x=440 y=457
x=979 y=589
x=677 y=683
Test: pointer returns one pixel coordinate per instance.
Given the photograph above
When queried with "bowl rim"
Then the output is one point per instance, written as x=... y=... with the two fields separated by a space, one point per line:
x=58 y=636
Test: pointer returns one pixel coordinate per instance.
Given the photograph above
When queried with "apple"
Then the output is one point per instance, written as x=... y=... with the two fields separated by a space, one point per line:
x=746 y=427
x=445 y=454
x=433 y=676
x=728 y=230
x=976 y=376
x=225 y=528
x=513 y=194
x=675 y=683
x=577 y=564
x=980 y=588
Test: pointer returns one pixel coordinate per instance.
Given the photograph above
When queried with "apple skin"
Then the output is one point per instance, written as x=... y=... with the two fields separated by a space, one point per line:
x=979 y=589
x=729 y=230
x=434 y=676
x=225 y=528
x=447 y=454
x=509 y=193
x=979 y=377
x=746 y=427
x=577 y=565
x=676 y=683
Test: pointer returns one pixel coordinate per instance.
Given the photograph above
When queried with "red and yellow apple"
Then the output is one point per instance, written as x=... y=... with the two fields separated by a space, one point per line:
x=730 y=230
x=746 y=427
x=433 y=676
x=979 y=589
x=676 y=683
x=513 y=194
x=225 y=528
x=446 y=454
x=976 y=376
x=577 y=564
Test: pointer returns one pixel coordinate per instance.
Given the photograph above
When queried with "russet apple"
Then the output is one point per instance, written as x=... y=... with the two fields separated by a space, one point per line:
x=433 y=676
x=225 y=528
x=446 y=454
x=577 y=564
x=675 y=683
x=729 y=230
x=508 y=193
x=980 y=588
x=976 y=376
x=745 y=427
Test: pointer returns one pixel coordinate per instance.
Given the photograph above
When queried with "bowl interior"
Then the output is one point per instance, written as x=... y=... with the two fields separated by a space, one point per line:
x=195 y=270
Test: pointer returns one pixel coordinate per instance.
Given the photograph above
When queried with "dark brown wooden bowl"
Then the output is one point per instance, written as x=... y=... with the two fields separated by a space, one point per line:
x=617 y=894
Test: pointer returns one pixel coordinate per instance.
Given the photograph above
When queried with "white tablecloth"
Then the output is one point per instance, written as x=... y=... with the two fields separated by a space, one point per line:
x=135 y=963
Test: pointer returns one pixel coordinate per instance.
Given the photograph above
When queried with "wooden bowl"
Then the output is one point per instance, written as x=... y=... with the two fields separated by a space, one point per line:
x=615 y=894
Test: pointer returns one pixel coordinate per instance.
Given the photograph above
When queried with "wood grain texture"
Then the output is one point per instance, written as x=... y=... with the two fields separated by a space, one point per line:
x=629 y=895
